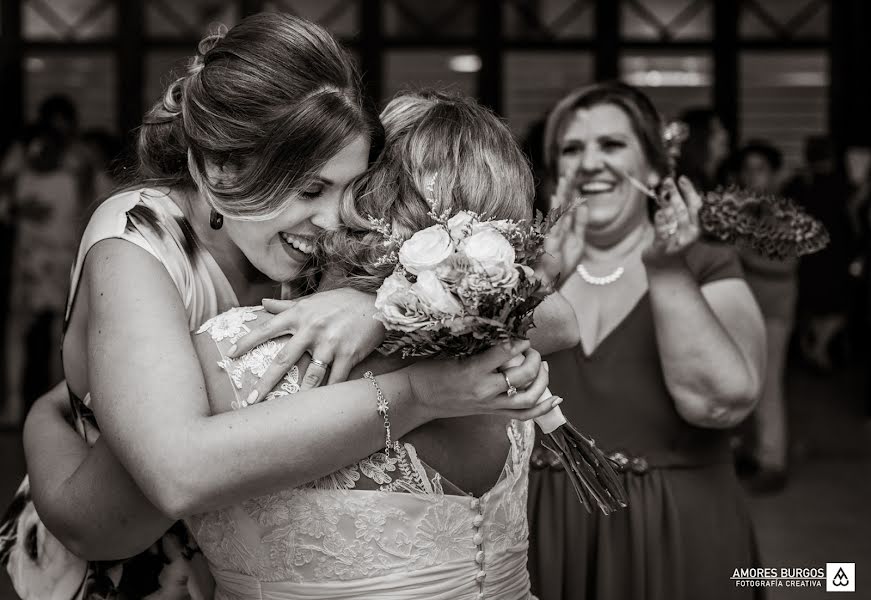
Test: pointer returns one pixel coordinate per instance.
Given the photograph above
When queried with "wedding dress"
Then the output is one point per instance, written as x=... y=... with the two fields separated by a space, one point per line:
x=386 y=527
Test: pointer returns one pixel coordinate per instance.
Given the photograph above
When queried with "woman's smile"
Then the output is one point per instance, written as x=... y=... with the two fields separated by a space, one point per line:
x=597 y=186
x=298 y=247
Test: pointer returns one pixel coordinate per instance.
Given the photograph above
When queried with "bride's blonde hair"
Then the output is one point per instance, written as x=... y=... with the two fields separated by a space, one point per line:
x=451 y=143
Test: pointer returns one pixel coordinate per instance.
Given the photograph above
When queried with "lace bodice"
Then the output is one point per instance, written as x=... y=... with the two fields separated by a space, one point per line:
x=382 y=519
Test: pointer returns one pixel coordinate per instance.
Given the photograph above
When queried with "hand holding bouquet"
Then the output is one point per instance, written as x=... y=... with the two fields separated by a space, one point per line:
x=467 y=283
x=773 y=226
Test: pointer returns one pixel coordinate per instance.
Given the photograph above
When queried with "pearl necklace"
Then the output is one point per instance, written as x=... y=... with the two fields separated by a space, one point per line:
x=603 y=280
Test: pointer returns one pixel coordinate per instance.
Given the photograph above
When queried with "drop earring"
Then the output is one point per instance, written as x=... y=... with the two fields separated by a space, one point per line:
x=216 y=219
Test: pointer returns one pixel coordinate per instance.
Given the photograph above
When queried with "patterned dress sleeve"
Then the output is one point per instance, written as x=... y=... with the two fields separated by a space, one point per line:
x=173 y=568
x=713 y=262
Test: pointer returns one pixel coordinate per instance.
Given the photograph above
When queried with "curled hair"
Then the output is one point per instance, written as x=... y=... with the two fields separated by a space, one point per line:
x=644 y=119
x=260 y=110
x=432 y=138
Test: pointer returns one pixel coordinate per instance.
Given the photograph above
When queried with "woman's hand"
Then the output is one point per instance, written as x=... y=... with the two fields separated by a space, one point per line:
x=337 y=327
x=564 y=244
x=676 y=223
x=450 y=388
x=563 y=247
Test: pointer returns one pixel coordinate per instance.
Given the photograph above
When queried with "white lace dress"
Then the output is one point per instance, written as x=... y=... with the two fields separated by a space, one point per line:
x=386 y=527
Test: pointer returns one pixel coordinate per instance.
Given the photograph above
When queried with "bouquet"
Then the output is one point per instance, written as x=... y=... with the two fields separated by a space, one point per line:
x=770 y=225
x=466 y=284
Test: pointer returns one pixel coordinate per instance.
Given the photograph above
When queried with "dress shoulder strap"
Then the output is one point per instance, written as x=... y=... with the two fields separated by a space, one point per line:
x=151 y=220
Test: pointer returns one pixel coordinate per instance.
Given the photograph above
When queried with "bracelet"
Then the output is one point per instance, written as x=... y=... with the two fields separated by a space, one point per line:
x=383 y=408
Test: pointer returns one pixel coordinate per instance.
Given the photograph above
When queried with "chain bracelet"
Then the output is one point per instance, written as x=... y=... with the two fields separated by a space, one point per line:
x=383 y=408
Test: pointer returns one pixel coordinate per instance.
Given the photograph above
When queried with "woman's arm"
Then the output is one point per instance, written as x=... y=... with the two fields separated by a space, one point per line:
x=556 y=326
x=711 y=343
x=154 y=414
x=712 y=339
x=117 y=521
x=762 y=265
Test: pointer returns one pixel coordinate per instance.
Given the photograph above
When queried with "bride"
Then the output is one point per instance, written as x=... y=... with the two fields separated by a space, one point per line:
x=445 y=515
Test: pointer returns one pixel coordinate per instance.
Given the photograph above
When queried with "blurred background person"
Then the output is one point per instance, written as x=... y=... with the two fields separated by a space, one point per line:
x=671 y=352
x=46 y=208
x=101 y=151
x=47 y=173
x=103 y=171
x=857 y=162
x=705 y=150
x=775 y=286
x=824 y=277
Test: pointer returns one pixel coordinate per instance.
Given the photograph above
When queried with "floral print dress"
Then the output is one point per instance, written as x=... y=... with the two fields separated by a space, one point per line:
x=173 y=568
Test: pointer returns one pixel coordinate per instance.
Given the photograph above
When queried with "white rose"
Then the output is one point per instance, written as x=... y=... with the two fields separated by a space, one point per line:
x=432 y=293
x=502 y=275
x=460 y=224
x=394 y=284
x=489 y=247
x=398 y=307
x=426 y=249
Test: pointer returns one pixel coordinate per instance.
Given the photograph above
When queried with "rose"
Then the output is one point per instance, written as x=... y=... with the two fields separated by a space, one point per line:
x=433 y=294
x=391 y=287
x=460 y=225
x=502 y=275
x=426 y=249
x=489 y=247
x=452 y=270
x=398 y=306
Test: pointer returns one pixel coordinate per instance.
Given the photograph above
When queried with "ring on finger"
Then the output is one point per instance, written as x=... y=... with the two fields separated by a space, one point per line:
x=320 y=363
x=511 y=389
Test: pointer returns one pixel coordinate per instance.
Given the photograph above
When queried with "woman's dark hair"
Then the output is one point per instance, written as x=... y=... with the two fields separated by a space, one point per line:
x=645 y=120
x=261 y=109
x=43 y=148
x=763 y=148
x=57 y=105
x=695 y=153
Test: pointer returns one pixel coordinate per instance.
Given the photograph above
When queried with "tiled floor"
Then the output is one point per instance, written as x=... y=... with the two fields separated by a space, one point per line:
x=823 y=516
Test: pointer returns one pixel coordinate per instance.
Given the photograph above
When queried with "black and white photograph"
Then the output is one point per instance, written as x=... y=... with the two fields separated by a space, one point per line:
x=435 y=300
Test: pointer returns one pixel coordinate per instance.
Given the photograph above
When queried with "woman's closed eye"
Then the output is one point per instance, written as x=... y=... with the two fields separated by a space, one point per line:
x=313 y=191
x=315 y=188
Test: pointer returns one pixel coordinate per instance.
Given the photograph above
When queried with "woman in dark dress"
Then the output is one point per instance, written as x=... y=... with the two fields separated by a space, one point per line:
x=671 y=356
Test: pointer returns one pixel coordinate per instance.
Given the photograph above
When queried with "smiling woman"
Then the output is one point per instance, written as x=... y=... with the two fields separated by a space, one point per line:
x=223 y=209
x=601 y=143
x=670 y=354
x=268 y=243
